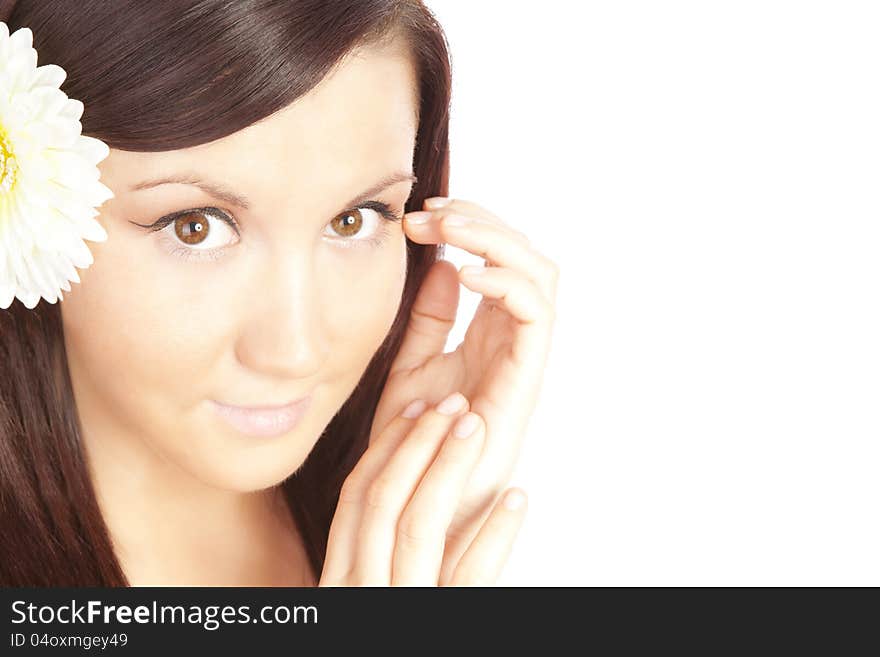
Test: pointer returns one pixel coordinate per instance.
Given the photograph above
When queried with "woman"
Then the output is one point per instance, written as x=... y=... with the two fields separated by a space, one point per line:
x=270 y=243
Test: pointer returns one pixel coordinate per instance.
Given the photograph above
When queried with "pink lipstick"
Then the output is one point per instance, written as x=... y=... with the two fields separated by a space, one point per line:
x=264 y=421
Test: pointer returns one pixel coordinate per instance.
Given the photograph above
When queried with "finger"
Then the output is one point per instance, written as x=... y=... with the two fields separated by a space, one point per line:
x=425 y=227
x=471 y=209
x=525 y=303
x=493 y=243
x=457 y=204
x=421 y=530
x=340 y=554
x=432 y=317
x=516 y=293
x=388 y=494
x=484 y=560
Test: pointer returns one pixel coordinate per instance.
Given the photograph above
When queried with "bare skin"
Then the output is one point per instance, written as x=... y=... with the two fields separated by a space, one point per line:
x=152 y=337
x=187 y=500
x=427 y=504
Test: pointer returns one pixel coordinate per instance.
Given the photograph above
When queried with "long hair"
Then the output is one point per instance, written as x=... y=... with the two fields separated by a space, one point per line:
x=157 y=76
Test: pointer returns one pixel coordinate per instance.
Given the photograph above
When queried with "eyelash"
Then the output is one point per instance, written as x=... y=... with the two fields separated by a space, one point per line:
x=185 y=253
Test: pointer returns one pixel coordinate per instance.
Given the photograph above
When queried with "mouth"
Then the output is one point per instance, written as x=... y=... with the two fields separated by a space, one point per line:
x=263 y=421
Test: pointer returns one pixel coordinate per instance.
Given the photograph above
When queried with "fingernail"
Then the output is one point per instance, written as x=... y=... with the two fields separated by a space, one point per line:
x=514 y=500
x=437 y=201
x=466 y=426
x=414 y=409
x=420 y=217
x=452 y=404
x=456 y=220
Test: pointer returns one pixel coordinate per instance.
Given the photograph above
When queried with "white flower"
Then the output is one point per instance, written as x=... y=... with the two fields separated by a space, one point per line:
x=49 y=185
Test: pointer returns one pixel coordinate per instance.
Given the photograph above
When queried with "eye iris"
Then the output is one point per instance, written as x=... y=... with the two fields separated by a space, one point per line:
x=348 y=224
x=191 y=228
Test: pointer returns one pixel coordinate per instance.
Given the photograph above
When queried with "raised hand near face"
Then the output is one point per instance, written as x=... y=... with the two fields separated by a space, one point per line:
x=499 y=365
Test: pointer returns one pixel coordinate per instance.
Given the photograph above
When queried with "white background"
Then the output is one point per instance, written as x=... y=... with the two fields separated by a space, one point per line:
x=707 y=175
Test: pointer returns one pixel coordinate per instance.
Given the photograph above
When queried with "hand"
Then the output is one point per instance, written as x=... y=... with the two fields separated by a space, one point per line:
x=394 y=508
x=499 y=365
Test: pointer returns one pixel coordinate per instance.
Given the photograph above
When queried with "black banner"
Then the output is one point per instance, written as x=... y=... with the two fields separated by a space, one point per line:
x=145 y=620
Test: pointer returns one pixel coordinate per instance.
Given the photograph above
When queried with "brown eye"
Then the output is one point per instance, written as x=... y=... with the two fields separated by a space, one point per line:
x=191 y=228
x=347 y=224
x=201 y=229
x=362 y=226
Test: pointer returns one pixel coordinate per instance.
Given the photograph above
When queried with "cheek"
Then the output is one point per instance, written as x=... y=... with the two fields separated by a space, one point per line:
x=138 y=335
x=362 y=300
x=145 y=338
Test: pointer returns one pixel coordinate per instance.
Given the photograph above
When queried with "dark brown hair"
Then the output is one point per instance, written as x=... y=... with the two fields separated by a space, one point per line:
x=156 y=76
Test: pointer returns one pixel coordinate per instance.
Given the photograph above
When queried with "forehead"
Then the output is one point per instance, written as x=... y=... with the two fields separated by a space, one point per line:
x=363 y=115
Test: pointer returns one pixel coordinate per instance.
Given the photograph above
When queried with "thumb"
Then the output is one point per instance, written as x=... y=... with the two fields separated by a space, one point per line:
x=432 y=317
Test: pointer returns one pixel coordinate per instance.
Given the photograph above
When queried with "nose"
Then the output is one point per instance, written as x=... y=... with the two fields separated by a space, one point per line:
x=283 y=335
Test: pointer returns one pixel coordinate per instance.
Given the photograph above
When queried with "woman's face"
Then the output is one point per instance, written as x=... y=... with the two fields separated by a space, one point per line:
x=294 y=304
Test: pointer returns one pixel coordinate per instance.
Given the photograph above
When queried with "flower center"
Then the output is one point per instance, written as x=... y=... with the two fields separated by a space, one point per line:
x=8 y=165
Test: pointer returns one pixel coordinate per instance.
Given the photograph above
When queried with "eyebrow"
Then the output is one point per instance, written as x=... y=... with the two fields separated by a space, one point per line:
x=229 y=196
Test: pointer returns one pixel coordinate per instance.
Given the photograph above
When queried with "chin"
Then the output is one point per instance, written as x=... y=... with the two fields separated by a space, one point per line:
x=249 y=472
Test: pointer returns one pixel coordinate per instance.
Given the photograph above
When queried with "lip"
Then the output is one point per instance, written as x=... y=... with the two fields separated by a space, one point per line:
x=263 y=421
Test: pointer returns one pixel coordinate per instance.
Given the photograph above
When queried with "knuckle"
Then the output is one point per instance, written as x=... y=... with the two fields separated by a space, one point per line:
x=415 y=531
x=423 y=434
x=380 y=494
x=350 y=493
x=356 y=577
x=428 y=322
x=547 y=309
x=454 y=456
